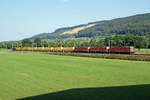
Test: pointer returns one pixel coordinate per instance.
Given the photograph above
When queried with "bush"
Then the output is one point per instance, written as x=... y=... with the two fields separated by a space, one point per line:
x=106 y=56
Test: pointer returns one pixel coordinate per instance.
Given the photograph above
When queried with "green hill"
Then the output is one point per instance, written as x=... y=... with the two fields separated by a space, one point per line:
x=137 y=25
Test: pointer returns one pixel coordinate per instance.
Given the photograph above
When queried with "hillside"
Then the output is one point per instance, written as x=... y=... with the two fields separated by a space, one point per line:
x=78 y=29
x=137 y=25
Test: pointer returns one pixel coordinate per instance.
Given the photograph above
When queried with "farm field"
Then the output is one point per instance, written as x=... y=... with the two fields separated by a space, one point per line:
x=142 y=51
x=27 y=76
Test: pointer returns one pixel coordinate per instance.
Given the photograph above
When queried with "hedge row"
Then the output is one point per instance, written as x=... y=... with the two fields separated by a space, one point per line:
x=107 y=56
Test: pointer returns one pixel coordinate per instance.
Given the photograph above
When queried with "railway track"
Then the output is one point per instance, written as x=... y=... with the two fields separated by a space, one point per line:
x=142 y=54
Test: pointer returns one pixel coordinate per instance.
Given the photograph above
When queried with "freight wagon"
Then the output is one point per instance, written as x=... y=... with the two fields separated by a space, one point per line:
x=46 y=49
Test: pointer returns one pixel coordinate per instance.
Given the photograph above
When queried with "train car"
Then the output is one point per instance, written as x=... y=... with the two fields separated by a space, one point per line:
x=82 y=49
x=132 y=50
x=124 y=50
x=56 y=49
x=68 y=49
x=98 y=50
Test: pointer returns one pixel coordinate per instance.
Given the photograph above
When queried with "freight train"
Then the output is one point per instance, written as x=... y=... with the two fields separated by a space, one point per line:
x=113 y=49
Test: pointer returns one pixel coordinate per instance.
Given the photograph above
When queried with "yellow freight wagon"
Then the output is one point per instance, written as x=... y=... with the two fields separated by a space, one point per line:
x=47 y=49
x=68 y=49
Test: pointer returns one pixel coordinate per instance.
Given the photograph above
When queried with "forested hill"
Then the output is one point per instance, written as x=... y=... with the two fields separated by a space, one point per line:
x=137 y=25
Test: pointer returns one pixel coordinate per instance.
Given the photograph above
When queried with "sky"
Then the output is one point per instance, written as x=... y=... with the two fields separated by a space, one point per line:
x=21 y=19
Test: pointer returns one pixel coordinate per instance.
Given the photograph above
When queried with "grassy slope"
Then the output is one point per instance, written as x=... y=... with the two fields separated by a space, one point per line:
x=25 y=75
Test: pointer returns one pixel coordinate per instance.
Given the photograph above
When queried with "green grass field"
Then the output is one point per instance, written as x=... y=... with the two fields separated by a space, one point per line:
x=26 y=76
x=142 y=51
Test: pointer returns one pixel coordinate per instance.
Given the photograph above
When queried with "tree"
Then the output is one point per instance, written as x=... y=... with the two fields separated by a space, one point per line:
x=26 y=43
x=38 y=41
x=141 y=42
x=93 y=42
x=45 y=43
x=107 y=39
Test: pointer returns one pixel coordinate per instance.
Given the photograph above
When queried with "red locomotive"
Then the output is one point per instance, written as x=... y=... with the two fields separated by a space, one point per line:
x=122 y=50
x=98 y=50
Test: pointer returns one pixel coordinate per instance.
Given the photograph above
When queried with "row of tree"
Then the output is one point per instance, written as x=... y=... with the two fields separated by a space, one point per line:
x=116 y=40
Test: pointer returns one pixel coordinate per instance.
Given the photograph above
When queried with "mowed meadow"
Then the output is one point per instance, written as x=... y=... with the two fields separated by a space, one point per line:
x=33 y=76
